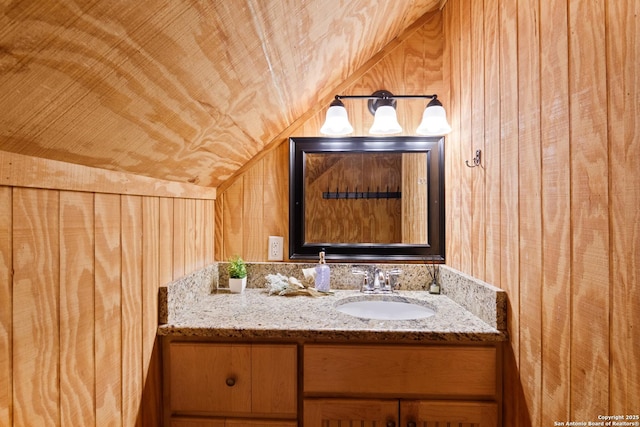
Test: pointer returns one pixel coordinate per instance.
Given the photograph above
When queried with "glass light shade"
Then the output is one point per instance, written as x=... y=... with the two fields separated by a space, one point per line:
x=385 y=121
x=434 y=122
x=337 y=122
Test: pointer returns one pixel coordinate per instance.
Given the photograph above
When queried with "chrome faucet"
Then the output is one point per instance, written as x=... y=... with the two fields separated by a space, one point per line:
x=381 y=282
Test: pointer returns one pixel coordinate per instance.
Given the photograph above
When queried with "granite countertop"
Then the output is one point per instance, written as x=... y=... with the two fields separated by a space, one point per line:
x=256 y=315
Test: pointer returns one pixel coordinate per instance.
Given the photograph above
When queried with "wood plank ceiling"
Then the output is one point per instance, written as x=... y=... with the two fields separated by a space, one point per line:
x=179 y=90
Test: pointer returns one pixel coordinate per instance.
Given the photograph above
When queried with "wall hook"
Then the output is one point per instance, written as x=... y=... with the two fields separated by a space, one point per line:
x=476 y=160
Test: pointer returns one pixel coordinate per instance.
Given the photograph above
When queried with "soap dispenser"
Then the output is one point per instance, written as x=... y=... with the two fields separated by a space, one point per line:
x=322 y=275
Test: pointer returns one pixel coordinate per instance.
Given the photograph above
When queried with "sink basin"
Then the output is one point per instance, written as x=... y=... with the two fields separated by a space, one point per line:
x=378 y=309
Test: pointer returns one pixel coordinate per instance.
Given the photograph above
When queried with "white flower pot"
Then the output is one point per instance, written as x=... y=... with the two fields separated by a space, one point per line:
x=237 y=285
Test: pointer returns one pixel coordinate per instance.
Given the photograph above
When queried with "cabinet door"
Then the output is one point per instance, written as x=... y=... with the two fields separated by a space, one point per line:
x=223 y=380
x=196 y=423
x=260 y=423
x=231 y=423
x=210 y=378
x=464 y=414
x=363 y=412
x=274 y=372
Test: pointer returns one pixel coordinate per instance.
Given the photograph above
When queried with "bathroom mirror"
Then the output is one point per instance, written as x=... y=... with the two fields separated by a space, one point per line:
x=367 y=198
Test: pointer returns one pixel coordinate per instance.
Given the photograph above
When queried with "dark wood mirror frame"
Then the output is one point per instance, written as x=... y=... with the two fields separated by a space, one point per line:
x=433 y=251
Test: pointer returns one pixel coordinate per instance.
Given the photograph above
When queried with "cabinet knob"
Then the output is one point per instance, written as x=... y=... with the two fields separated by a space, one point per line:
x=391 y=424
x=411 y=424
x=231 y=381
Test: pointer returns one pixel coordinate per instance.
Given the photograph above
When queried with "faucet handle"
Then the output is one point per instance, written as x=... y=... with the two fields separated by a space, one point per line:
x=394 y=272
x=365 y=282
x=392 y=283
x=358 y=271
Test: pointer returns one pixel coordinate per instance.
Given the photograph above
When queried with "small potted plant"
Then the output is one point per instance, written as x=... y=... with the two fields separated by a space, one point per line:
x=237 y=275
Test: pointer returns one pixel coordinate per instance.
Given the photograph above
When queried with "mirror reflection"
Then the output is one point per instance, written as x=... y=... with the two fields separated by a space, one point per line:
x=367 y=198
x=361 y=197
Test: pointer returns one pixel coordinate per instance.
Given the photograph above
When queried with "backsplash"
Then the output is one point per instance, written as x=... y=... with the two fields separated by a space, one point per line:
x=185 y=291
x=483 y=300
x=413 y=277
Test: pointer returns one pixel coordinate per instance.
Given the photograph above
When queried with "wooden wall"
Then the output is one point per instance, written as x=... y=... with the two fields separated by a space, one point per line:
x=254 y=203
x=79 y=277
x=548 y=90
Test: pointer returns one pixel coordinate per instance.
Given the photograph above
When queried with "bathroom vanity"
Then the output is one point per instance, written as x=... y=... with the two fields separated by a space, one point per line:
x=211 y=383
x=257 y=360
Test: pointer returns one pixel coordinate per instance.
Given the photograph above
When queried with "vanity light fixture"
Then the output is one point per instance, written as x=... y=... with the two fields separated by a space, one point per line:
x=382 y=104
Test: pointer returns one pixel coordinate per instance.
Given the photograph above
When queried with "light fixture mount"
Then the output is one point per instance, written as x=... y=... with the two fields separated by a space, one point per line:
x=380 y=98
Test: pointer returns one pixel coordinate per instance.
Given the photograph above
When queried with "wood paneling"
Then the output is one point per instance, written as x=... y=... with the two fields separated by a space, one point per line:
x=190 y=236
x=108 y=315
x=131 y=237
x=6 y=298
x=477 y=139
x=165 y=261
x=590 y=183
x=555 y=191
x=189 y=94
x=529 y=201
x=491 y=152
x=151 y=373
x=623 y=42
x=548 y=90
x=209 y=240
x=233 y=210
x=179 y=230
x=454 y=153
x=77 y=308
x=36 y=307
x=465 y=72
x=262 y=186
x=253 y=246
x=509 y=207
x=554 y=129
x=79 y=278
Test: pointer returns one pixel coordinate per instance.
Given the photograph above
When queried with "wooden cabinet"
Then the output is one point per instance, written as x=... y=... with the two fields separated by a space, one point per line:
x=224 y=385
x=211 y=384
x=397 y=413
x=398 y=385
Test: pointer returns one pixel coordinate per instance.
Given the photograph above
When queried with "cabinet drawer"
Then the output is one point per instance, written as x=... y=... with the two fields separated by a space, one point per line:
x=233 y=379
x=400 y=371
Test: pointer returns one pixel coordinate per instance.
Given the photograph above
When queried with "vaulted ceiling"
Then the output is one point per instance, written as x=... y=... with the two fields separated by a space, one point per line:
x=181 y=90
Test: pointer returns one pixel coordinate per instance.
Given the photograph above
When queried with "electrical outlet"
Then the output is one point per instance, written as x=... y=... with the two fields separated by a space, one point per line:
x=276 y=244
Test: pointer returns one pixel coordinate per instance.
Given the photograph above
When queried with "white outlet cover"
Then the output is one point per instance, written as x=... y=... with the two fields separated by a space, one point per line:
x=276 y=248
